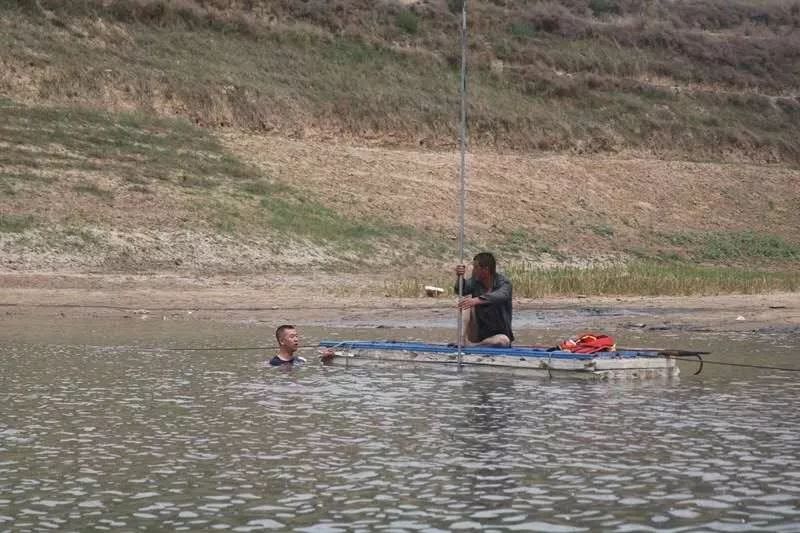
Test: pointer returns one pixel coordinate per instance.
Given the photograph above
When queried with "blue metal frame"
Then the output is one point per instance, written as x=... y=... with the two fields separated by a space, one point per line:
x=482 y=350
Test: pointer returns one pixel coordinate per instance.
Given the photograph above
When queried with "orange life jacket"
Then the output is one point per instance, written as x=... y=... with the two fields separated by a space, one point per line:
x=589 y=343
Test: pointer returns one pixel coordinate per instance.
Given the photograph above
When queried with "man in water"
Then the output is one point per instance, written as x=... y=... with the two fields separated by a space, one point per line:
x=485 y=303
x=288 y=344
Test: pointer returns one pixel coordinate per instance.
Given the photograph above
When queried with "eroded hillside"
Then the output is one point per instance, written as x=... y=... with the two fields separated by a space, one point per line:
x=225 y=136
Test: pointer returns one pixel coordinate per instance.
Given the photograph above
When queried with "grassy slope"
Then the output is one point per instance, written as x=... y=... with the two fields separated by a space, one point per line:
x=563 y=79
x=119 y=191
x=121 y=188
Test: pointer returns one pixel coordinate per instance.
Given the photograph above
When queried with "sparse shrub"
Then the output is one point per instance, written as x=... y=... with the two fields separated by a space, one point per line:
x=407 y=21
x=15 y=223
x=603 y=230
x=262 y=187
x=548 y=23
x=455 y=6
x=556 y=19
x=299 y=216
x=789 y=105
x=79 y=237
x=143 y=189
x=732 y=246
x=93 y=189
x=193 y=181
x=135 y=179
x=604 y=7
x=594 y=82
x=522 y=30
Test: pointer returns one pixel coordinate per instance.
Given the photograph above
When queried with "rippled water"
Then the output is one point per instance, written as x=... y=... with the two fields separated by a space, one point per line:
x=114 y=437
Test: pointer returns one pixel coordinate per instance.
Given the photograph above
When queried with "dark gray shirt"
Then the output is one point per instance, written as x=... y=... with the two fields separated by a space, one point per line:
x=494 y=317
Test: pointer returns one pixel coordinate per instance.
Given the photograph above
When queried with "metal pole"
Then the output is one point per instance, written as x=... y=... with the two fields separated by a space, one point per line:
x=462 y=170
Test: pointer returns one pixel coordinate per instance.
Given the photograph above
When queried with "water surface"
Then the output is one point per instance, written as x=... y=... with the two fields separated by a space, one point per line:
x=102 y=427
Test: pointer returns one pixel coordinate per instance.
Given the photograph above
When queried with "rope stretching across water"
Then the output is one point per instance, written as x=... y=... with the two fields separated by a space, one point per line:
x=745 y=365
x=267 y=348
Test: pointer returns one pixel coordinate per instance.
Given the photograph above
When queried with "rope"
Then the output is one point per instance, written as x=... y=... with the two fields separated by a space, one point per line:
x=222 y=349
x=281 y=308
x=248 y=348
x=187 y=349
x=745 y=365
x=264 y=348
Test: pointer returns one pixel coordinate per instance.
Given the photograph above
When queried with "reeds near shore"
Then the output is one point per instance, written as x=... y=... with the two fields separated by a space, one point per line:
x=648 y=278
x=639 y=278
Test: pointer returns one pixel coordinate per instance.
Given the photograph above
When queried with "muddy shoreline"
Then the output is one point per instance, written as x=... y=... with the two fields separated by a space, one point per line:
x=322 y=299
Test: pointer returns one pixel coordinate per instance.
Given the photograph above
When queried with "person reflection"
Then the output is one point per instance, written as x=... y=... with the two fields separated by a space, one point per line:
x=488 y=436
x=491 y=412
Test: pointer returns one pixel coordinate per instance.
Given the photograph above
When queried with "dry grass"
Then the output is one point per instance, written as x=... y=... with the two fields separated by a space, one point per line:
x=134 y=183
x=648 y=278
x=599 y=129
x=572 y=76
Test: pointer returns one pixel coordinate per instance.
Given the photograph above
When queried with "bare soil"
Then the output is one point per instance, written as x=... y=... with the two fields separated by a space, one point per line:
x=335 y=300
x=560 y=207
x=563 y=199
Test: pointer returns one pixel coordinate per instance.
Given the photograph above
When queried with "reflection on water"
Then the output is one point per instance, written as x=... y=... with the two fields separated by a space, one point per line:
x=114 y=437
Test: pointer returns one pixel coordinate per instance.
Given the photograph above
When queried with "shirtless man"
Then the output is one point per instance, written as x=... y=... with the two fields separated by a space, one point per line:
x=288 y=344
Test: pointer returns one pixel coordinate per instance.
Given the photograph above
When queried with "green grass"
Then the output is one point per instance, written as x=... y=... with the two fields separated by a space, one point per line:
x=225 y=214
x=94 y=190
x=604 y=7
x=280 y=209
x=142 y=189
x=520 y=241
x=602 y=230
x=407 y=21
x=734 y=246
x=77 y=238
x=132 y=145
x=16 y=223
x=263 y=187
x=261 y=204
x=12 y=183
x=748 y=245
x=522 y=30
x=294 y=214
x=161 y=156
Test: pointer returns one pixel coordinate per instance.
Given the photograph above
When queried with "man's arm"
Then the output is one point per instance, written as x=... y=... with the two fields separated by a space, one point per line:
x=499 y=295
x=326 y=355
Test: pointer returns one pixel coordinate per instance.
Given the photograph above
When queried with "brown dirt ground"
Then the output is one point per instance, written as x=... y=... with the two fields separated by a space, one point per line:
x=583 y=208
x=558 y=195
x=299 y=299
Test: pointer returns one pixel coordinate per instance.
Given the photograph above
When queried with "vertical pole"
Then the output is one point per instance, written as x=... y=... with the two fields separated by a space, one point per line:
x=462 y=170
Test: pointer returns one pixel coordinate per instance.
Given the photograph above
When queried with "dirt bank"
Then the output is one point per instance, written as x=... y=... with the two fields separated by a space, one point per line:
x=353 y=301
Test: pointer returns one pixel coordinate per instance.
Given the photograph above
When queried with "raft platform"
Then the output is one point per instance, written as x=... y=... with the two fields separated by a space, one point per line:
x=617 y=365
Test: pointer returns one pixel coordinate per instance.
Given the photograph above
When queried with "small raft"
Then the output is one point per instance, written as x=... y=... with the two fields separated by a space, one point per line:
x=617 y=365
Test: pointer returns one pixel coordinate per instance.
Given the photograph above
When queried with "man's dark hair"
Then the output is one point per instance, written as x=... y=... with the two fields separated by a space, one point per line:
x=485 y=259
x=281 y=329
